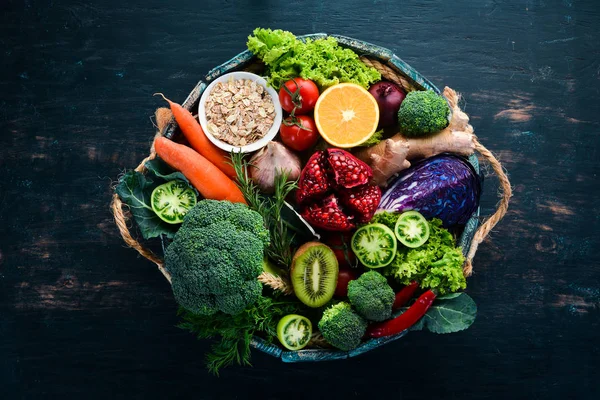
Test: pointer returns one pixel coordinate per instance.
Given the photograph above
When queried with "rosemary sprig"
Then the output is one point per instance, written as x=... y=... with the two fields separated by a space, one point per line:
x=249 y=189
x=280 y=248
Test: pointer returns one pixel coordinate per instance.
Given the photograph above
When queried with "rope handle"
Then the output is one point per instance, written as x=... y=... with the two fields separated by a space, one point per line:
x=501 y=208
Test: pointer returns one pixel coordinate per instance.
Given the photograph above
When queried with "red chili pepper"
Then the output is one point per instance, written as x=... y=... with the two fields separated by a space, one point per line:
x=404 y=295
x=404 y=320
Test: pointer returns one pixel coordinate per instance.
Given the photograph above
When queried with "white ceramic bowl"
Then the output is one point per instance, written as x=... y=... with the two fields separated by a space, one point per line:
x=252 y=146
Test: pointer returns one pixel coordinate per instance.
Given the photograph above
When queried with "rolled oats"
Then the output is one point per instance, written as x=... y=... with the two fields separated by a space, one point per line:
x=239 y=112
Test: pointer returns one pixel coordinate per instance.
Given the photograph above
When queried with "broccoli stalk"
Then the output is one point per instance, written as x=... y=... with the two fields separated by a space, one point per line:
x=371 y=296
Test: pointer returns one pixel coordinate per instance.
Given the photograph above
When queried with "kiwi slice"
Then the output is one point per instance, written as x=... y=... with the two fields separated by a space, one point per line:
x=314 y=274
x=374 y=245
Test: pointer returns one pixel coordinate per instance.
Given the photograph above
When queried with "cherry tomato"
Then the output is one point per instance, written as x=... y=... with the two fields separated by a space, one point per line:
x=298 y=93
x=296 y=137
x=344 y=277
x=340 y=244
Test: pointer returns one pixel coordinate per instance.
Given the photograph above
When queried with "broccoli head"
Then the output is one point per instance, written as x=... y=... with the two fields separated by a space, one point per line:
x=342 y=327
x=423 y=113
x=371 y=296
x=216 y=257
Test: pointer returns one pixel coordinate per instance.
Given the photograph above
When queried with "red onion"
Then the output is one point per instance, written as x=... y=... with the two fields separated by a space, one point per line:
x=389 y=97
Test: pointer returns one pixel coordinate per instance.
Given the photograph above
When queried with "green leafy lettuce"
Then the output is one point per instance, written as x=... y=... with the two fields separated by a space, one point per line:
x=322 y=60
x=437 y=264
x=135 y=190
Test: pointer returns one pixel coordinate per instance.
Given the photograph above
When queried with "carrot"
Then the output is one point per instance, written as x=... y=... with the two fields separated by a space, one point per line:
x=195 y=135
x=210 y=181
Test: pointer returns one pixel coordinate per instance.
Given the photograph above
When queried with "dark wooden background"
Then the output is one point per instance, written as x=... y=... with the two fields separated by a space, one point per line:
x=81 y=316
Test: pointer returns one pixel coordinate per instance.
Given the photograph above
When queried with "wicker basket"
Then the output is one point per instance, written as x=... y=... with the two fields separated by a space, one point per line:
x=391 y=68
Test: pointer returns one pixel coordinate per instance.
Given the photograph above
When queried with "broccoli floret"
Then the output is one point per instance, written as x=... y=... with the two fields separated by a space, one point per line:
x=342 y=327
x=423 y=113
x=216 y=256
x=208 y=212
x=371 y=296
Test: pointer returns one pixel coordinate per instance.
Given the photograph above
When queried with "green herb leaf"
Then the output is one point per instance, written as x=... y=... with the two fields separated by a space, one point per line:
x=448 y=314
x=374 y=139
x=448 y=296
x=135 y=190
x=235 y=331
x=280 y=249
x=162 y=170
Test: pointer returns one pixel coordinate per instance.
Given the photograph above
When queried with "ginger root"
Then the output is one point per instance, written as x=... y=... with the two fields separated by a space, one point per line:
x=391 y=156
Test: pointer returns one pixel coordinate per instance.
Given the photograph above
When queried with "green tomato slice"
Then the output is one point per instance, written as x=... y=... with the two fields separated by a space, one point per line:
x=294 y=331
x=374 y=245
x=172 y=200
x=412 y=229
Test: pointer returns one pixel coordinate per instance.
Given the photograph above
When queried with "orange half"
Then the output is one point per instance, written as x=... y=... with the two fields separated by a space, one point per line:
x=346 y=115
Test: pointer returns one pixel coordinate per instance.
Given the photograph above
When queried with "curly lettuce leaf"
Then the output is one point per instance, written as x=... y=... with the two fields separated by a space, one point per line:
x=322 y=60
x=373 y=140
x=437 y=264
x=269 y=45
x=446 y=275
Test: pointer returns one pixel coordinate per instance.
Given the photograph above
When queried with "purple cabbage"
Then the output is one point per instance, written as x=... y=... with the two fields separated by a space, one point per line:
x=445 y=187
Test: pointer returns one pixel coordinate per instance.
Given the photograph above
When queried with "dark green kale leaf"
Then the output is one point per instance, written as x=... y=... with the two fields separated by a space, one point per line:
x=135 y=190
x=450 y=313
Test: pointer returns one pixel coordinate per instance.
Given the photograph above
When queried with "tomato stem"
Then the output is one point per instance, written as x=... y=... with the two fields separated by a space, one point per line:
x=295 y=96
x=293 y=121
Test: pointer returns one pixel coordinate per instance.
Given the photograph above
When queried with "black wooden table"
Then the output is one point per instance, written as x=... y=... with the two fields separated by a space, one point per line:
x=81 y=316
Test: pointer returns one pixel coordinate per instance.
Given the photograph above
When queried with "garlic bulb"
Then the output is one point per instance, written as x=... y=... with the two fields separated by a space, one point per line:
x=270 y=161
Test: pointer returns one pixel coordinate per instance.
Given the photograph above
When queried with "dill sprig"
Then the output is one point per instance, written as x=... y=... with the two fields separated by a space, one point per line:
x=236 y=331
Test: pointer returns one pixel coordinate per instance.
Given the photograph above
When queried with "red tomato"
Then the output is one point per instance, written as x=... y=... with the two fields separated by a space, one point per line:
x=296 y=137
x=344 y=277
x=340 y=244
x=298 y=93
